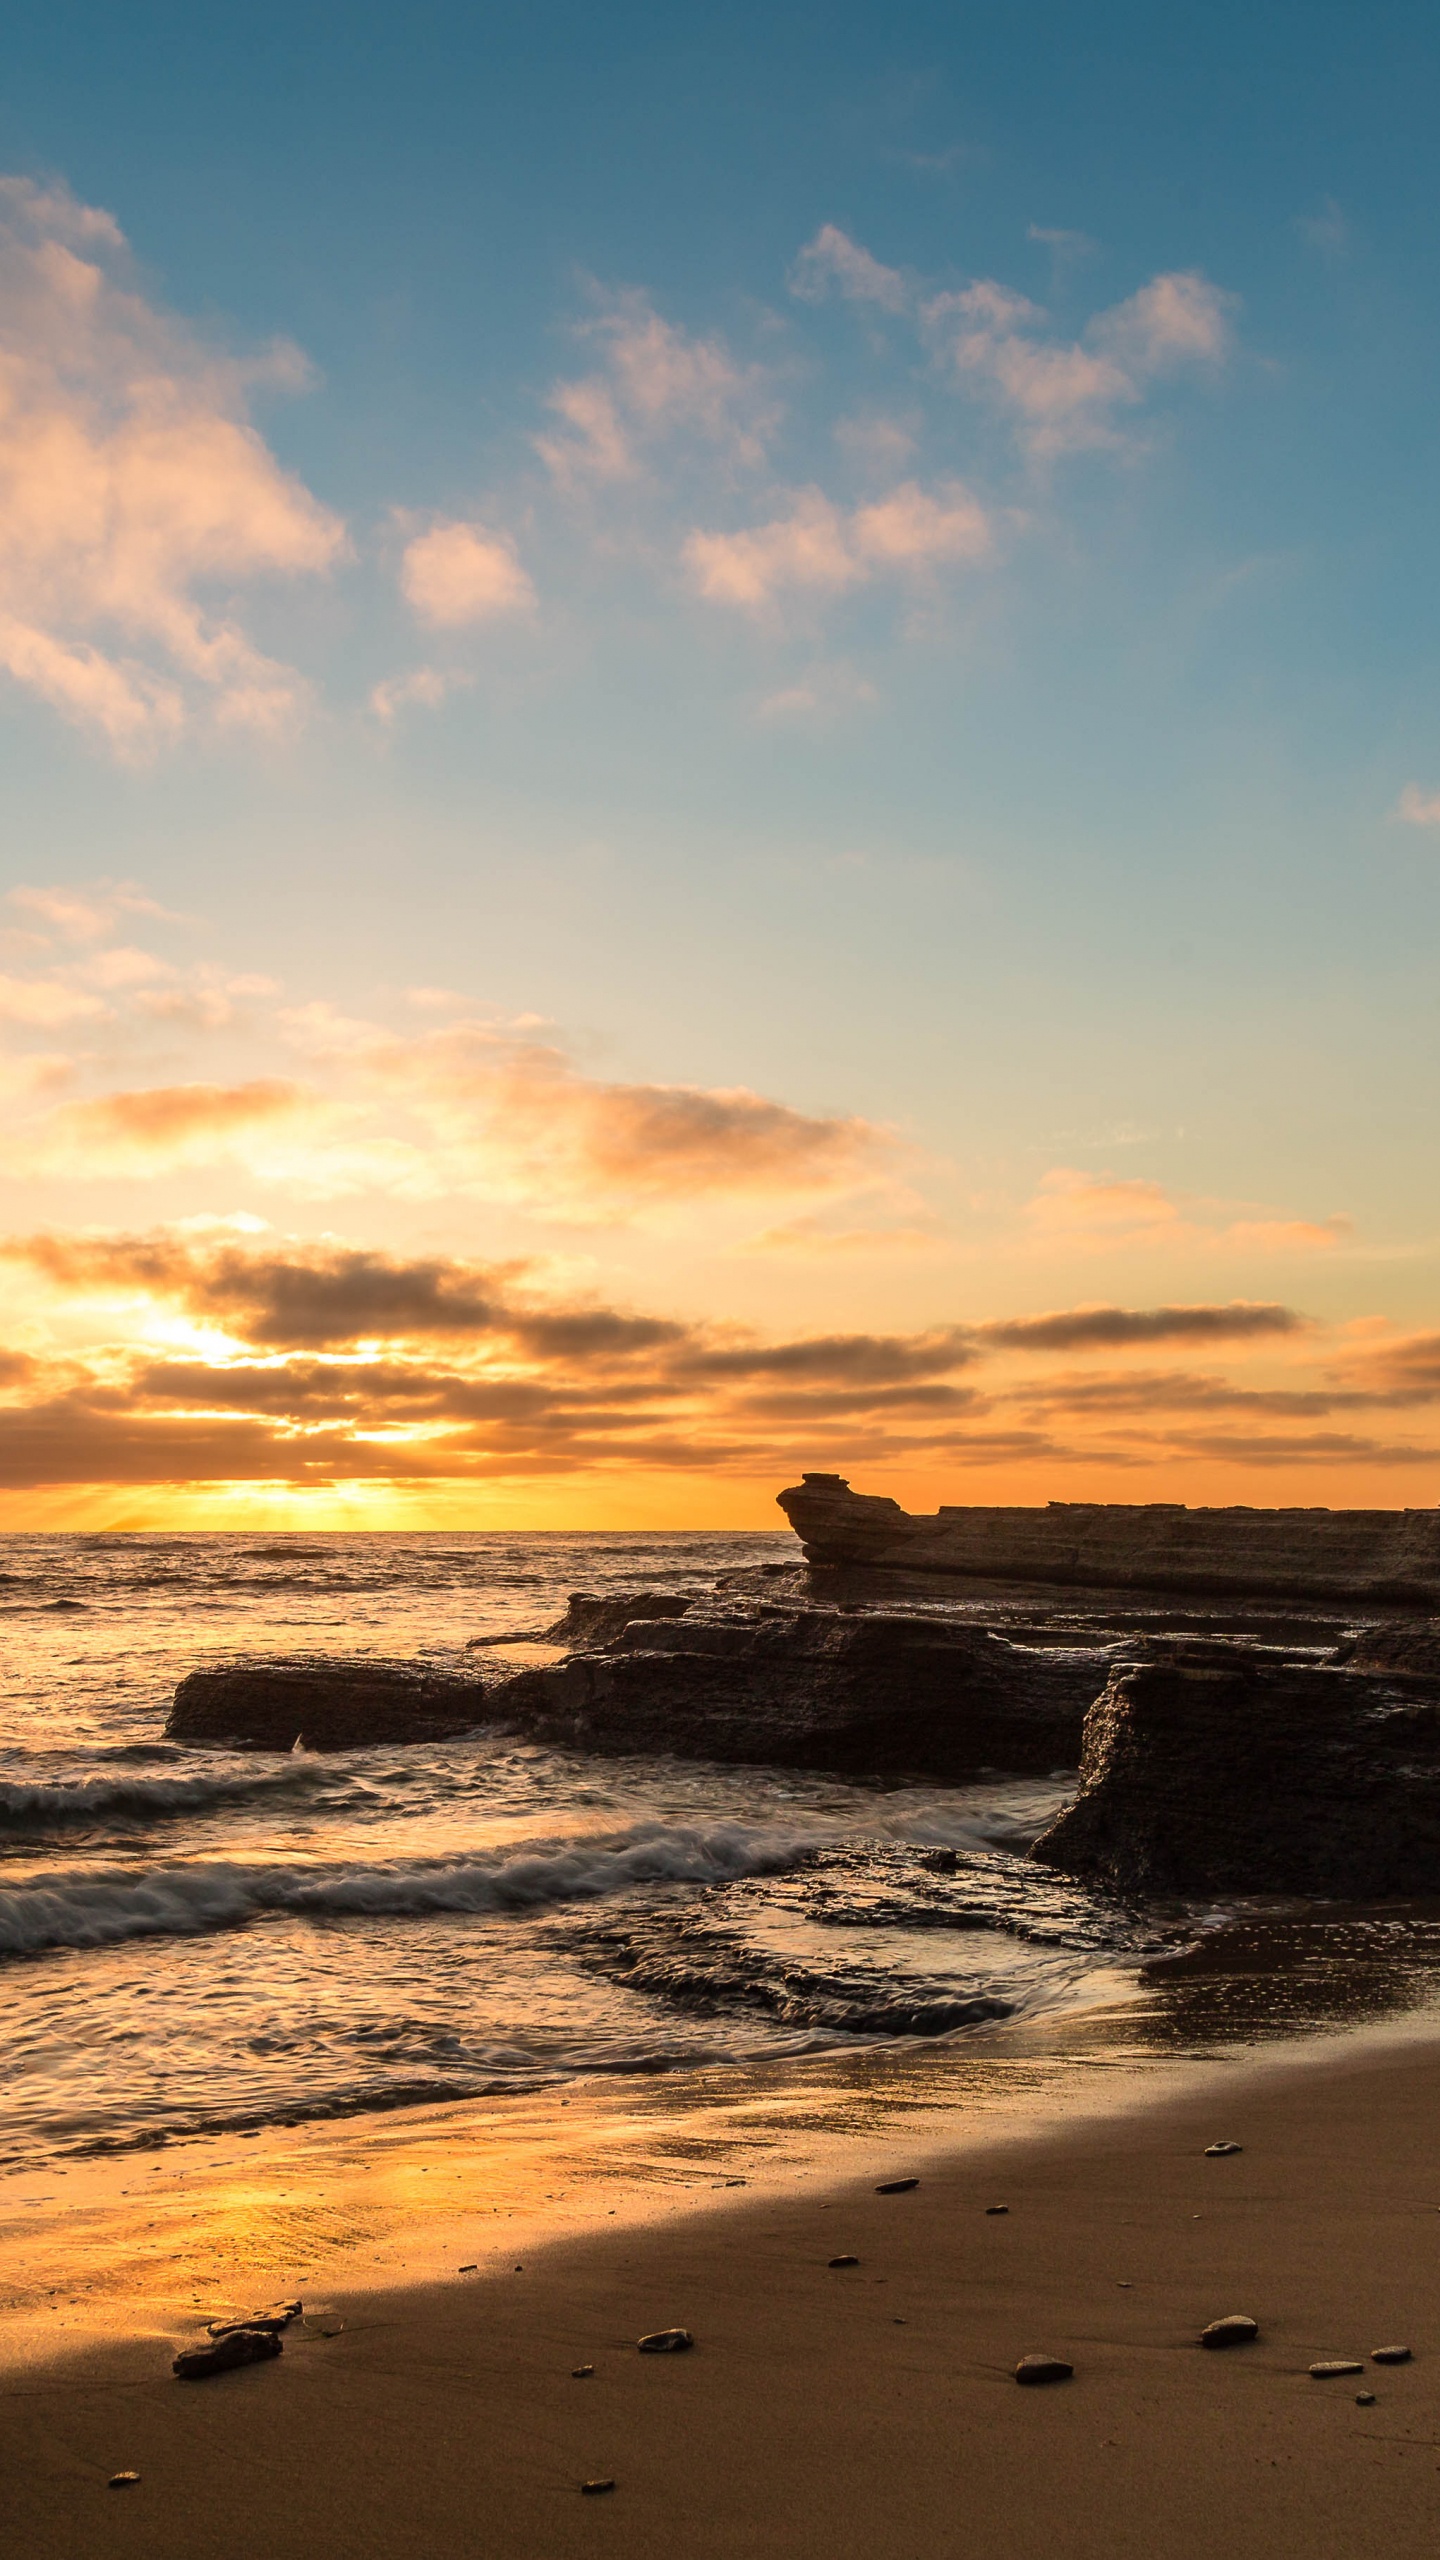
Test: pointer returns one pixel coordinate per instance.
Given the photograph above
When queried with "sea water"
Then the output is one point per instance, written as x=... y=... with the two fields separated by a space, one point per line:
x=195 y=1940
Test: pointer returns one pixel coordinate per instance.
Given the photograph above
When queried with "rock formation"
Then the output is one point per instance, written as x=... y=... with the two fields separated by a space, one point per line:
x=874 y=1693
x=1209 y=1770
x=869 y=1692
x=328 y=1703
x=1367 y=1558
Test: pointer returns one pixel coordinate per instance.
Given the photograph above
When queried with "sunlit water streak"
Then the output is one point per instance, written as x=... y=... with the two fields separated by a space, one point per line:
x=196 y=1939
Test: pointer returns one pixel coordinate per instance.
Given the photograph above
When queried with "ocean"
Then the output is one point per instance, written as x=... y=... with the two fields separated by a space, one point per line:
x=202 y=1941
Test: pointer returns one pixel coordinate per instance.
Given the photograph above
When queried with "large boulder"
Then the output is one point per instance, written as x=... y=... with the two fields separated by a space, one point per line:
x=878 y=1693
x=328 y=1703
x=1206 y=1770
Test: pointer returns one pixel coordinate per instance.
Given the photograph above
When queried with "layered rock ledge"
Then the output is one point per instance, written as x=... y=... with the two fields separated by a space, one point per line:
x=870 y=1693
x=1209 y=1770
x=1366 y=1558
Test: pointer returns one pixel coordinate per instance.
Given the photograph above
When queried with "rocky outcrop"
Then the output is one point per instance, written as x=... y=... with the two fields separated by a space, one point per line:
x=271 y=1702
x=873 y=1693
x=868 y=1692
x=593 y=1618
x=1362 y=1557
x=1207 y=1770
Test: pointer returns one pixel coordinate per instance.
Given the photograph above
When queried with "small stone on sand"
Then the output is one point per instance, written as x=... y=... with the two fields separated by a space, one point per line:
x=580 y=2372
x=1334 y=2365
x=1389 y=2355
x=595 y=2488
x=122 y=2479
x=1235 y=2330
x=844 y=2262
x=237 y=2347
x=1364 y=2399
x=897 y=2186
x=1043 y=2369
x=1222 y=2150
x=471 y=2267
x=997 y=2208
x=665 y=2342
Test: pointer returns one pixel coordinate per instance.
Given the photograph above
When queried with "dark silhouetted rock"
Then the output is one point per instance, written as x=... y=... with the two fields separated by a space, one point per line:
x=1043 y=2369
x=1360 y=1556
x=593 y=1618
x=1207 y=1770
x=237 y=2347
x=870 y=1692
x=1407 y=1646
x=896 y=2186
x=1237 y=2329
x=270 y=1702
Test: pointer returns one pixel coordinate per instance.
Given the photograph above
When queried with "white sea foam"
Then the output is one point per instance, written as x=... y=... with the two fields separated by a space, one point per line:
x=101 y=1906
x=40 y=1803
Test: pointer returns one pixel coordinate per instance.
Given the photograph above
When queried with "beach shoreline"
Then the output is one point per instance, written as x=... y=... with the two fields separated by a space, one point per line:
x=865 y=2410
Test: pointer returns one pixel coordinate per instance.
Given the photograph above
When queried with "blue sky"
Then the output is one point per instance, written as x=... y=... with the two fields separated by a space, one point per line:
x=880 y=563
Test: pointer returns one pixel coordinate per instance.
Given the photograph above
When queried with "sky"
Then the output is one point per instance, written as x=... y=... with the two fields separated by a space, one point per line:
x=718 y=754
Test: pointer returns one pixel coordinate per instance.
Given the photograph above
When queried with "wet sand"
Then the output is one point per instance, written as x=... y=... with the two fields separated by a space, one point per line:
x=866 y=2411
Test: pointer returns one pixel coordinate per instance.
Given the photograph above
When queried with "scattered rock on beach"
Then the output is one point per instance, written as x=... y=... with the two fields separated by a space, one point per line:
x=1390 y=2355
x=581 y=2372
x=122 y=2480
x=279 y=2316
x=665 y=2342
x=1364 y=2399
x=1236 y=2330
x=997 y=2208
x=845 y=2262
x=1043 y=2369
x=1222 y=2150
x=896 y=2186
x=1332 y=2366
x=595 y=2488
x=237 y=2347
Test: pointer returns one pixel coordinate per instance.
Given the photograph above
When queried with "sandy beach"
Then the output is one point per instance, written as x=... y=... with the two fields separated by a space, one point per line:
x=865 y=2410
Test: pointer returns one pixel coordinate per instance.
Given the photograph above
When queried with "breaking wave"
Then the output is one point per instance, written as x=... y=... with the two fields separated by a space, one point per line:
x=43 y=1804
x=103 y=1906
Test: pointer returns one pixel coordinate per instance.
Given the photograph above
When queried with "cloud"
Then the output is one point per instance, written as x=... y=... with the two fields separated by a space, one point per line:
x=875 y=1359
x=1417 y=808
x=655 y=381
x=825 y=694
x=424 y=688
x=818 y=547
x=832 y=259
x=160 y=1128
x=460 y=573
x=1066 y=247
x=1067 y=396
x=1075 y=1328
x=89 y=913
x=516 y=1117
x=1103 y=1212
x=132 y=487
x=46 y=1004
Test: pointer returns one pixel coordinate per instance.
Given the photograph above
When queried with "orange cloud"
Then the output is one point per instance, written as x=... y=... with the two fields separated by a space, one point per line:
x=130 y=477
x=820 y=548
x=1095 y=1213
x=461 y=573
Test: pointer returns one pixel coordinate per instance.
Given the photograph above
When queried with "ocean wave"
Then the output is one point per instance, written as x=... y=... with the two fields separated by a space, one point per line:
x=105 y=1906
x=46 y=1804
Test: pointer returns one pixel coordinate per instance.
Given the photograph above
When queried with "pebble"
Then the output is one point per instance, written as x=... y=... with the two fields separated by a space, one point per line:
x=1364 y=2399
x=238 y=2346
x=1235 y=2330
x=844 y=2262
x=1043 y=2369
x=595 y=2488
x=580 y=2372
x=1335 y=2365
x=122 y=2479
x=897 y=2186
x=1389 y=2355
x=1222 y=2150
x=997 y=2208
x=471 y=2267
x=665 y=2342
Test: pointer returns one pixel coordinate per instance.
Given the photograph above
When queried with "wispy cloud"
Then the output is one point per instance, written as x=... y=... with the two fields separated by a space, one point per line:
x=1069 y=395
x=1417 y=808
x=1104 y=1212
x=131 y=483
x=655 y=380
x=821 y=548
x=834 y=262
